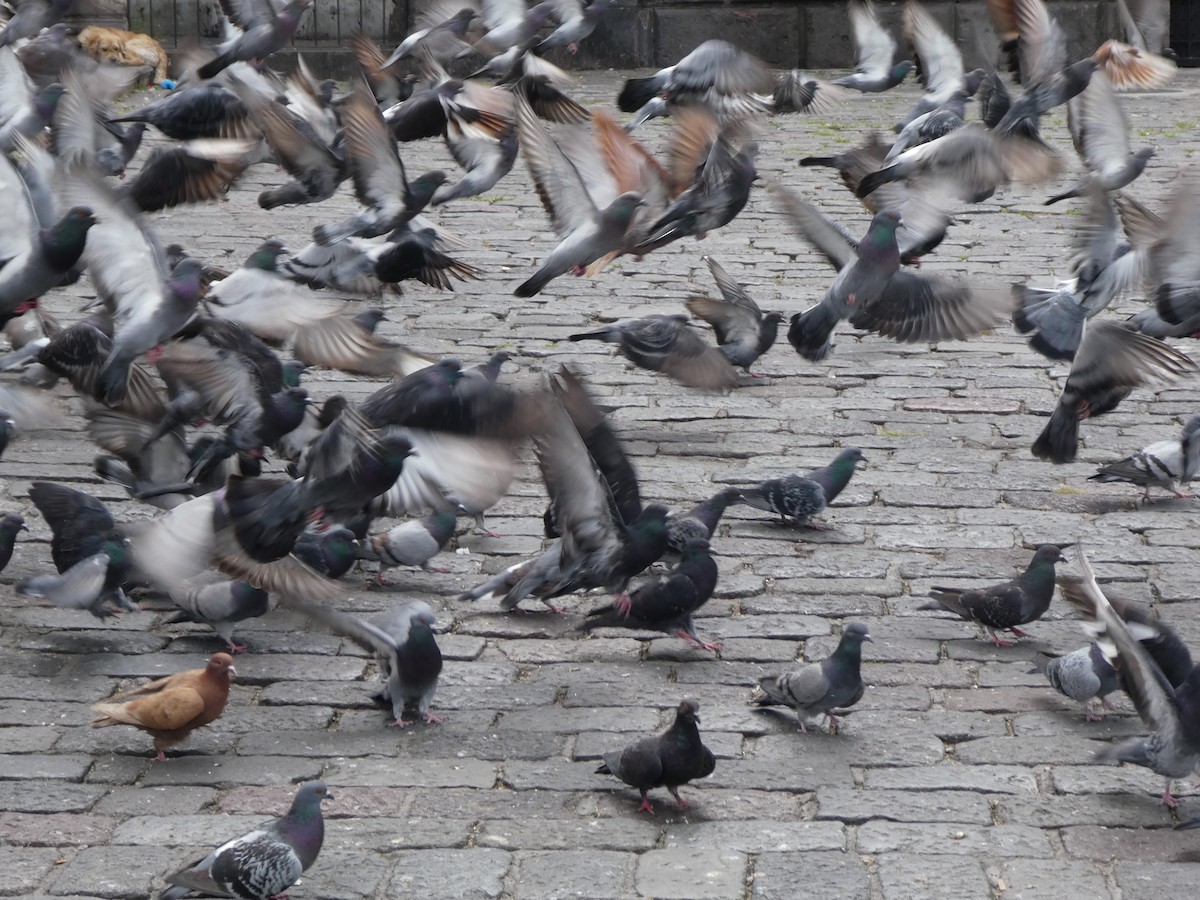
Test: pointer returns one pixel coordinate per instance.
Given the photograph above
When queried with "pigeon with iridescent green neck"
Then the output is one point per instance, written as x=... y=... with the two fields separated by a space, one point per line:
x=798 y=498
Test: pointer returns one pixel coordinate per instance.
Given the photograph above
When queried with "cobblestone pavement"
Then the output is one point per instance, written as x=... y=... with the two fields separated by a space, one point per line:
x=959 y=775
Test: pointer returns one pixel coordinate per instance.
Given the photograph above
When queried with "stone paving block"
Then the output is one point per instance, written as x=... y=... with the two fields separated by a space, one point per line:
x=113 y=871
x=1141 y=845
x=394 y=772
x=996 y=840
x=1153 y=881
x=845 y=804
x=1030 y=879
x=25 y=868
x=340 y=874
x=841 y=876
x=626 y=834
x=449 y=873
x=576 y=873
x=230 y=771
x=908 y=875
x=55 y=830
x=757 y=836
x=691 y=874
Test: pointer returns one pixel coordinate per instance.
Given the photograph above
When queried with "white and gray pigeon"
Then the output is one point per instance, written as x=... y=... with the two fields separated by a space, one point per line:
x=796 y=499
x=405 y=648
x=412 y=543
x=819 y=688
x=79 y=587
x=1171 y=712
x=1082 y=675
x=221 y=605
x=875 y=68
x=1161 y=464
x=264 y=862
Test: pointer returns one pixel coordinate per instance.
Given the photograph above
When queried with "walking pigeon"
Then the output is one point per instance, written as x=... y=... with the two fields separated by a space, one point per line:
x=819 y=688
x=1159 y=465
x=1082 y=675
x=1003 y=607
x=798 y=498
x=264 y=862
x=411 y=543
x=220 y=605
x=668 y=760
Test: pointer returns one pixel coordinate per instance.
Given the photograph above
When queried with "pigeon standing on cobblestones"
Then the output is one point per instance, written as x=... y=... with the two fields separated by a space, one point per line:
x=1173 y=712
x=262 y=863
x=412 y=543
x=701 y=521
x=668 y=760
x=405 y=647
x=819 y=688
x=220 y=605
x=1082 y=675
x=170 y=709
x=1159 y=465
x=798 y=498
x=1003 y=607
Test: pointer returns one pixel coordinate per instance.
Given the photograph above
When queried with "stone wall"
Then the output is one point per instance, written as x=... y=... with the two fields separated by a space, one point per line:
x=634 y=33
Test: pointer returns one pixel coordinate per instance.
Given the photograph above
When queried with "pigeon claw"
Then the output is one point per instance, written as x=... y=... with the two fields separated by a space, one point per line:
x=1001 y=642
x=1168 y=799
x=1018 y=632
x=646 y=807
x=1090 y=715
x=399 y=722
x=434 y=719
x=236 y=648
x=623 y=603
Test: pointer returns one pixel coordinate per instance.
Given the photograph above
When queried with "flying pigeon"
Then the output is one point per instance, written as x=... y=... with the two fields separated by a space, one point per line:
x=11 y=524
x=875 y=52
x=819 y=688
x=264 y=29
x=80 y=587
x=264 y=862
x=668 y=344
x=668 y=760
x=744 y=332
x=1003 y=607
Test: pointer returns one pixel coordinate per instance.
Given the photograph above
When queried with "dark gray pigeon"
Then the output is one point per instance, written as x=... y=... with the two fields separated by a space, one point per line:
x=1173 y=713
x=1111 y=362
x=668 y=760
x=798 y=498
x=80 y=587
x=744 y=332
x=331 y=552
x=10 y=526
x=819 y=688
x=265 y=29
x=30 y=17
x=264 y=862
x=1082 y=675
x=1161 y=464
x=701 y=521
x=1003 y=607
x=404 y=645
x=668 y=603
x=874 y=53
x=412 y=543
x=668 y=344
x=221 y=605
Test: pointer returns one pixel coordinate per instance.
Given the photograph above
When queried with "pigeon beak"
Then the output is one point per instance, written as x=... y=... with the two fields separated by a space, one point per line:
x=232 y=672
x=867 y=637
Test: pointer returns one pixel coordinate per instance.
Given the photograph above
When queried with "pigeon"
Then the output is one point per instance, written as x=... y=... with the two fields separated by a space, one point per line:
x=412 y=543
x=195 y=172
x=380 y=182
x=25 y=110
x=1159 y=465
x=331 y=553
x=1171 y=711
x=1100 y=133
x=350 y=344
x=510 y=23
x=1003 y=607
x=1082 y=675
x=701 y=521
x=875 y=51
x=264 y=862
x=1136 y=63
x=728 y=82
x=11 y=524
x=79 y=353
x=798 y=498
x=404 y=645
x=1174 y=254
x=37 y=254
x=668 y=603
x=443 y=39
x=206 y=110
x=576 y=21
x=152 y=469
x=170 y=709
x=264 y=29
x=744 y=332
x=80 y=587
x=30 y=17
x=941 y=64
x=668 y=760
x=819 y=688
x=1111 y=362
x=221 y=604
x=668 y=344
x=608 y=536
x=1104 y=267
x=82 y=527
x=586 y=231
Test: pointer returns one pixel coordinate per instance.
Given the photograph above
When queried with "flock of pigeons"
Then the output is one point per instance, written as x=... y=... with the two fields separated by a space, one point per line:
x=438 y=439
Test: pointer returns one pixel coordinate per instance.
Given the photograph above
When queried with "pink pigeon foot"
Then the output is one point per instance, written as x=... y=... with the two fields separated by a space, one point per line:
x=1090 y=715
x=161 y=757
x=815 y=525
x=1180 y=495
x=434 y=719
x=623 y=603
x=646 y=807
x=236 y=648
x=1168 y=800
x=1001 y=642
x=437 y=570
x=572 y=48
x=1106 y=703
x=380 y=580
x=400 y=722
x=1018 y=632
